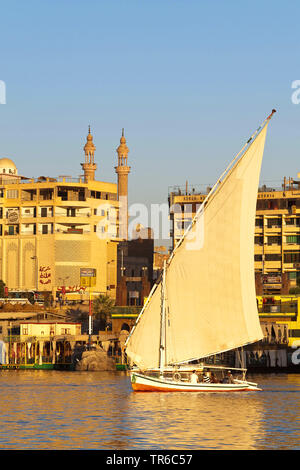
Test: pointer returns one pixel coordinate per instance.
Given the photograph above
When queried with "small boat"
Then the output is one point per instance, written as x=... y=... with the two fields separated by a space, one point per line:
x=205 y=301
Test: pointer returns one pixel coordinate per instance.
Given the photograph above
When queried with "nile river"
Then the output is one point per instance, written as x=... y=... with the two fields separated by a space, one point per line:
x=47 y=410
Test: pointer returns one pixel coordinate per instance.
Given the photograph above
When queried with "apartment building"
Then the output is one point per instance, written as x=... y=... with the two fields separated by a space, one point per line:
x=277 y=231
x=50 y=228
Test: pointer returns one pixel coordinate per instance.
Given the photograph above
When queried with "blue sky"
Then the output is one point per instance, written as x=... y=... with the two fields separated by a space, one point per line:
x=189 y=80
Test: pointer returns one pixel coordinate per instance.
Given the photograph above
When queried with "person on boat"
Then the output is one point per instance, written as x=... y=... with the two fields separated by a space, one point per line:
x=213 y=378
x=194 y=377
x=228 y=379
x=207 y=376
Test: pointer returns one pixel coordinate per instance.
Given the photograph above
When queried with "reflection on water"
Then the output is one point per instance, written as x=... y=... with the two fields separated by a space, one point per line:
x=98 y=410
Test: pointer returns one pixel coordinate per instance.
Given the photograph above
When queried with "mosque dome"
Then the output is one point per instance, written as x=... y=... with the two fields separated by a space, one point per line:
x=8 y=167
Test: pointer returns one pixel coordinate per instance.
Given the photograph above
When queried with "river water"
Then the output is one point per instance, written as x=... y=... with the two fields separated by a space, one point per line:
x=47 y=410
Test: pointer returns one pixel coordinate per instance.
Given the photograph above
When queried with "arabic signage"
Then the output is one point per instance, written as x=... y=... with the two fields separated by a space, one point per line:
x=272 y=279
x=44 y=275
x=68 y=289
x=13 y=216
x=87 y=277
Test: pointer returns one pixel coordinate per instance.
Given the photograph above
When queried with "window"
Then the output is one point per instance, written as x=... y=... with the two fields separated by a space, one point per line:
x=257 y=257
x=291 y=203
x=274 y=240
x=81 y=195
x=12 y=194
x=63 y=193
x=273 y=257
x=273 y=223
x=71 y=212
x=44 y=212
x=44 y=229
x=46 y=194
x=294 y=333
x=258 y=240
x=65 y=331
x=293 y=221
x=293 y=239
x=292 y=257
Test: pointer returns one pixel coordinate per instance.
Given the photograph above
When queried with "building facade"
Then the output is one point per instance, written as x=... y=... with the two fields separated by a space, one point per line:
x=277 y=232
x=135 y=269
x=50 y=228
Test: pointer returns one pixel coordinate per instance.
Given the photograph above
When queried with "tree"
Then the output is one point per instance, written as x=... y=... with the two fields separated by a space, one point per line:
x=102 y=307
x=2 y=289
x=294 y=290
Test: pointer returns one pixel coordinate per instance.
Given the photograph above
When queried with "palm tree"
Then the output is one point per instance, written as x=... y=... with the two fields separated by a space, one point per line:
x=102 y=307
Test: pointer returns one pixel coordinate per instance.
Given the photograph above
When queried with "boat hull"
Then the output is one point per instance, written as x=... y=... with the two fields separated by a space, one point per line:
x=144 y=383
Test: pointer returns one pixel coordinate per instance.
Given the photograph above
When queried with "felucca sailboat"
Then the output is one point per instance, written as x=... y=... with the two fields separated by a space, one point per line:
x=205 y=302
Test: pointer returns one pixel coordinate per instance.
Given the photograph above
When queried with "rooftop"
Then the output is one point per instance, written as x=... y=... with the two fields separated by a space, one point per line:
x=288 y=184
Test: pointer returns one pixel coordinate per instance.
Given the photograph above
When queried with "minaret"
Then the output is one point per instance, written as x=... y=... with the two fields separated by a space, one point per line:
x=122 y=171
x=89 y=166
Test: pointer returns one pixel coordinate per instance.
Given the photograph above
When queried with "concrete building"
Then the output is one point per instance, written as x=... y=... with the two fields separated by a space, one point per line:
x=135 y=269
x=160 y=256
x=277 y=238
x=46 y=329
x=50 y=228
x=277 y=232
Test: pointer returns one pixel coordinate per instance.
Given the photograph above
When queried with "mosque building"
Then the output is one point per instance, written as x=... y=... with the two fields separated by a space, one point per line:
x=52 y=228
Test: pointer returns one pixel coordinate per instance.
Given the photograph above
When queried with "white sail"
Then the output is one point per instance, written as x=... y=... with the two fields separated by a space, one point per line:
x=143 y=345
x=210 y=287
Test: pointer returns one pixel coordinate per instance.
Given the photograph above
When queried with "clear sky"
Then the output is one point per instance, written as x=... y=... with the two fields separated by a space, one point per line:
x=189 y=80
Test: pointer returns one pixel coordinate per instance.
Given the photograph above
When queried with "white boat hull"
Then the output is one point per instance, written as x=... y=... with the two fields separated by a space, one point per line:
x=144 y=383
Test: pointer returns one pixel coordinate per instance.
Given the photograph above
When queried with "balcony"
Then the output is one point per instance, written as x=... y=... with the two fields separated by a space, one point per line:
x=59 y=201
x=76 y=219
x=273 y=229
x=291 y=246
x=72 y=231
x=285 y=309
x=273 y=265
x=272 y=249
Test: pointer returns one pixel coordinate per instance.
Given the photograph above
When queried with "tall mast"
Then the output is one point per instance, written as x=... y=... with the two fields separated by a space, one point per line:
x=162 y=342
